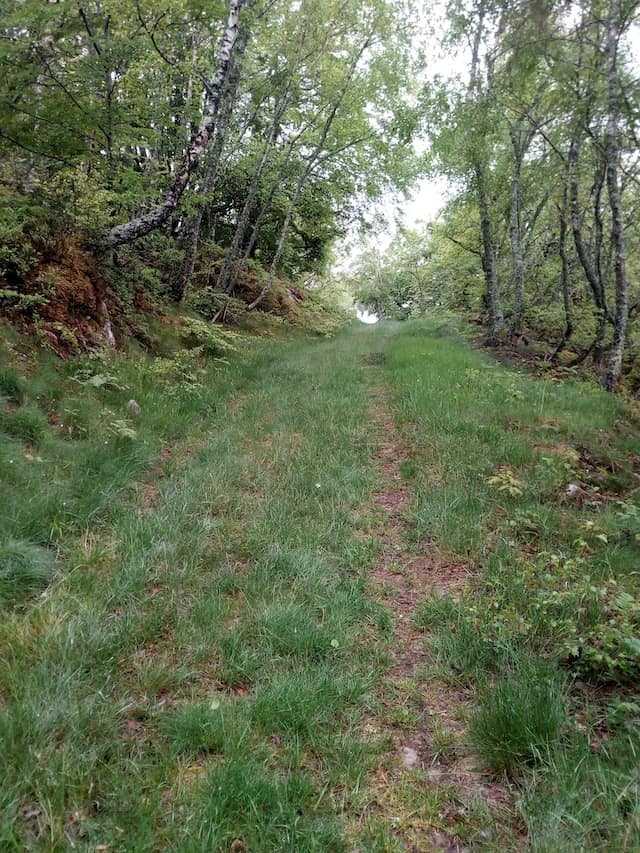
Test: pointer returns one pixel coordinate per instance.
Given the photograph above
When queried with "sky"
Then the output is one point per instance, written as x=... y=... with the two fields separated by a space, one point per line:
x=431 y=194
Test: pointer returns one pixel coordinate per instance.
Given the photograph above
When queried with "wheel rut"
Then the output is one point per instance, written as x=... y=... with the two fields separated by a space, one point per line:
x=423 y=718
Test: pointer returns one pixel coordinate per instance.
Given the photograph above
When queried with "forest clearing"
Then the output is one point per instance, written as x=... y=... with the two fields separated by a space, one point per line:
x=272 y=579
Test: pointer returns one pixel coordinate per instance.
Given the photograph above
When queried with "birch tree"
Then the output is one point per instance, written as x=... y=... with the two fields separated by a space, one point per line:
x=148 y=222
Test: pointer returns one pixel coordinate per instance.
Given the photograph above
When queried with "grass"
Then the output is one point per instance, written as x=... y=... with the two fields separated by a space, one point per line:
x=24 y=570
x=580 y=799
x=189 y=653
x=519 y=717
x=534 y=483
x=195 y=674
x=12 y=386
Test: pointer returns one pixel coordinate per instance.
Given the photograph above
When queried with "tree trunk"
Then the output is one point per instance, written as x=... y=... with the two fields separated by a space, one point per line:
x=227 y=277
x=495 y=317
x=138 y=227
x=590 y=271
x=564 y=281
x=311 y=161
x=519 y=144
x=265 y=207
x=494 y=310
x=284 y=233
x=189 y=241
x=191 y=237
x=615 y=200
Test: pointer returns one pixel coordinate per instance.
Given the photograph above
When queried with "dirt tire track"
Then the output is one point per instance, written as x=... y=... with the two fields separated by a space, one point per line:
x=401 y=580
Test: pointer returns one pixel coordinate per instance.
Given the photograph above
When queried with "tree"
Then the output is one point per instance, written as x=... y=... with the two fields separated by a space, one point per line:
x=612 y=154
x=147 y=222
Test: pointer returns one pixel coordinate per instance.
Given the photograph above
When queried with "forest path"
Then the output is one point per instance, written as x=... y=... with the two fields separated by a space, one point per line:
x=237 y=638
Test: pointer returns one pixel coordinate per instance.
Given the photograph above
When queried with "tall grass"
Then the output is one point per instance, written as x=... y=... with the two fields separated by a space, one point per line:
x=495 y=458
x=195 y=675
x=519 y=717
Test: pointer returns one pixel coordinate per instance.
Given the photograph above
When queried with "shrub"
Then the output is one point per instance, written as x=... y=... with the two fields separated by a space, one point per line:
x=208 y=338
x=208 y=302
x=590 y=623
x=17 y=257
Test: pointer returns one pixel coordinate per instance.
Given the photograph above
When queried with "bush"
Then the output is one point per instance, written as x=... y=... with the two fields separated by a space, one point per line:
x=208 y=338
x=208 y=302
x=17 y=257
x=519 y=718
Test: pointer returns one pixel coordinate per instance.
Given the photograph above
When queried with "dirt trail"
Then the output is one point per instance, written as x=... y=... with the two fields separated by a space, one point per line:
x=429 y=748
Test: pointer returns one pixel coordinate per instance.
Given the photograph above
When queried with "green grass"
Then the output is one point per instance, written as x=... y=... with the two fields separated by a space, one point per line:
x=12 y=385
x=195 y=672
x=585 y=799
x=534 y=483
x=24 y=570
x=188 y=649
x=519 y=717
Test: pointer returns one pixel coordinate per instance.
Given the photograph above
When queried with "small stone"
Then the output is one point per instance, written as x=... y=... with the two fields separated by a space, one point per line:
x=410 y=757
x=134 y=407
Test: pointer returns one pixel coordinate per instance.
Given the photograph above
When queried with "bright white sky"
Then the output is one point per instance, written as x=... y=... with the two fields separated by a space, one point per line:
x=431 y=194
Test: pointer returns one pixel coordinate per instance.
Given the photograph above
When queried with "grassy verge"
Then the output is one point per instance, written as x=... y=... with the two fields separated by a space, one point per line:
x=188 y=654
x=535 y=483
x=74 y=435
x=194 y=675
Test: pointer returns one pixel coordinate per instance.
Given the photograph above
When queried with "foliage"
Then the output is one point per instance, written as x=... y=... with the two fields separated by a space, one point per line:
x=201 y=342
x=303 y=142
x=391 y=284
x=322 y=311
x=17 y=255
x=532 y=138
x=208 y=339
x=506 y=481
x=208 y=302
